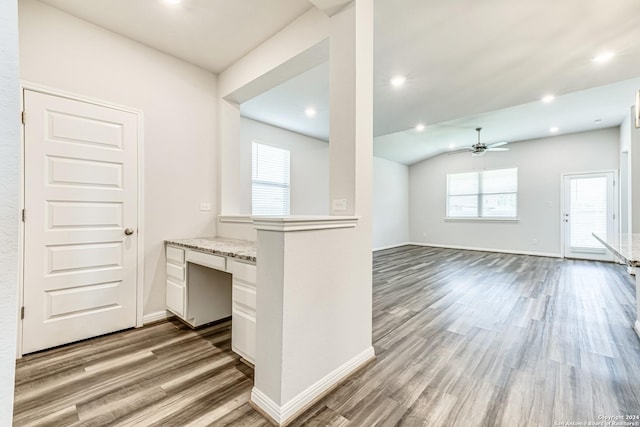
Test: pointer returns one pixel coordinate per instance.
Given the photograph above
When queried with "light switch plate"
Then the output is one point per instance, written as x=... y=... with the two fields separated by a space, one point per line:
x=205 y=206
x=339 y=204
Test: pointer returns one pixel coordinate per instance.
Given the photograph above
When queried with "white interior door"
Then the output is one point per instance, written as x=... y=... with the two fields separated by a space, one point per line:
x=588 y=207
x=80 y=238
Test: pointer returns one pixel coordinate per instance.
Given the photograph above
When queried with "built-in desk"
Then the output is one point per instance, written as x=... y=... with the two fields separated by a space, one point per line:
x=627 y=248
x=210 y=279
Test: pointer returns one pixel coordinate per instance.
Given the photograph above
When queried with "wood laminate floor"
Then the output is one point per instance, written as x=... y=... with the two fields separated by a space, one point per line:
x=462 y=339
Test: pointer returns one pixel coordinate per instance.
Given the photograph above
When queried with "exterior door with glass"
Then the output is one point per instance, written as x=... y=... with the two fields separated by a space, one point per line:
x=588 y=207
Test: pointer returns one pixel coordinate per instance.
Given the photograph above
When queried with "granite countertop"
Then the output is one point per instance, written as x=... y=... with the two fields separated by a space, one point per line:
x=625 y=246
x=233 y=248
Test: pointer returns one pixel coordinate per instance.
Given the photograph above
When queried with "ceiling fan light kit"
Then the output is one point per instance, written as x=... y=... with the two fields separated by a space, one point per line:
x=479 y=148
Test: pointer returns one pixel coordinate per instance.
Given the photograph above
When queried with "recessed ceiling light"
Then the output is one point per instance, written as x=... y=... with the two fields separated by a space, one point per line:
x=398 y=81
x=452 y=145
x=548 y=98
x=603 y=57
x=172 y=2
x=420 y=127
x=554 y=129
x=310 y=112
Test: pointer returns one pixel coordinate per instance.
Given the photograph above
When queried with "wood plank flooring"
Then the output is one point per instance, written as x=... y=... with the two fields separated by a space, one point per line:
x=462 y=338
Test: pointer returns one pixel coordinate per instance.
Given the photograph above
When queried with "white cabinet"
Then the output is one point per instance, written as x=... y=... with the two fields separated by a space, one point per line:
x=243 y=324
x=204 y=287
x=176 y=281
x=198 y=287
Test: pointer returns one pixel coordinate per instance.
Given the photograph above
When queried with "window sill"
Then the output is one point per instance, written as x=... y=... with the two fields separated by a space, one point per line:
x=474 y=219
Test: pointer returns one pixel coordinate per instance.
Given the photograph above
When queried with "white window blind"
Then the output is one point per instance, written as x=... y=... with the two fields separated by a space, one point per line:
x=269 y=180
x=483 y=194
x=463 y=194
x=588 y=212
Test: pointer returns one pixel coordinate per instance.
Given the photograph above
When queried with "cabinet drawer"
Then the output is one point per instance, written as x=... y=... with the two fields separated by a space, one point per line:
x=244 y=297
x=243 y=335
x=243 y=271
x=175 y=271
x=175 y=255
x=176 y=295
x=208 y=260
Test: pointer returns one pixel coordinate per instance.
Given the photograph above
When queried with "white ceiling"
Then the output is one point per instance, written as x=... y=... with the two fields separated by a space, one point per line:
x=284 y=105
x=468 y=63
x=589 y=109
x=212 y=34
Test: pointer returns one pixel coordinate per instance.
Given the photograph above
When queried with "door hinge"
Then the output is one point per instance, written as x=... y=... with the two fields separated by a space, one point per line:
x=22 y=312
x=22 y=117
x=24 y=215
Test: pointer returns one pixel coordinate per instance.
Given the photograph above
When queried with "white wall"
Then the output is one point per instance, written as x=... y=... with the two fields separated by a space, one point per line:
x=294 y=49
x=310 y=181
x=179 y=104
x=309 y=165
x=9 y=202
x=390 y=203
x=540 y=164
x=634 y=174
x=625 y=183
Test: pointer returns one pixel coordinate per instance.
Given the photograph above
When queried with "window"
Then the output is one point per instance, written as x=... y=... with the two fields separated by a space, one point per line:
x=269 y=180
x=484 y=194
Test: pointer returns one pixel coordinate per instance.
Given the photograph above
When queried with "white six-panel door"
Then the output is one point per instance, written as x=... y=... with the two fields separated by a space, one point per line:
x=80 y=239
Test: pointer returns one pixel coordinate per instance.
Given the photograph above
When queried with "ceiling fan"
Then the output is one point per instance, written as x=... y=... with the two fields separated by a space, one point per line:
x=479 y=148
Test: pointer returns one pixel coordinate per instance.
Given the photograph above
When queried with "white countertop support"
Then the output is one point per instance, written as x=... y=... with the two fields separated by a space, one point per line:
x=627 y=248
x=313 y=312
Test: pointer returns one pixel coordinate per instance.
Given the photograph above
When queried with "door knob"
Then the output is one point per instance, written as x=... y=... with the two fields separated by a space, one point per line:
x=128 y=231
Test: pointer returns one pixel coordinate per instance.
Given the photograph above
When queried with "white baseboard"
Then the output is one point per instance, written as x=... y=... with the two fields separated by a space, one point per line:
x=154 y=317
x=283 y=414
x=502 y=251
x=397 y=245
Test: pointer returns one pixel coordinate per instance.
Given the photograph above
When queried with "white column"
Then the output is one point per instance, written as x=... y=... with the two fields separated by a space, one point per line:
x=314 y=300
x=634 y=174
x=9 y=201
x=313 y=326
x=634 y=204
x=232 y=201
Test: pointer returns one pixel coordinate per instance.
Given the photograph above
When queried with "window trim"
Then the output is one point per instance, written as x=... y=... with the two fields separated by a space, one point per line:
x=481 y=219
x=479 y=195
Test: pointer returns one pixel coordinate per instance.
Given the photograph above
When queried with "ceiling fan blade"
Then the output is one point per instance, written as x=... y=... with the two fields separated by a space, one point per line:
x=497 y=149
x=498 y=144
x=460 y=150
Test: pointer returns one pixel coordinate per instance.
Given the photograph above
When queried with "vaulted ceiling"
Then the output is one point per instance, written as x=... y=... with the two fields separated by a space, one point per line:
x=467 y=63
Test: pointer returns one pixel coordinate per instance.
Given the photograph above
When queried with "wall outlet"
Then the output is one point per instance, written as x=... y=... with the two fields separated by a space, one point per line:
x=534 y=241
x=549 y=204
x=339 y=204
x=205 y=206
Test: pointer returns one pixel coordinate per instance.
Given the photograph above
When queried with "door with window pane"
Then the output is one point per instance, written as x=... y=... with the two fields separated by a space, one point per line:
x=588 y=207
